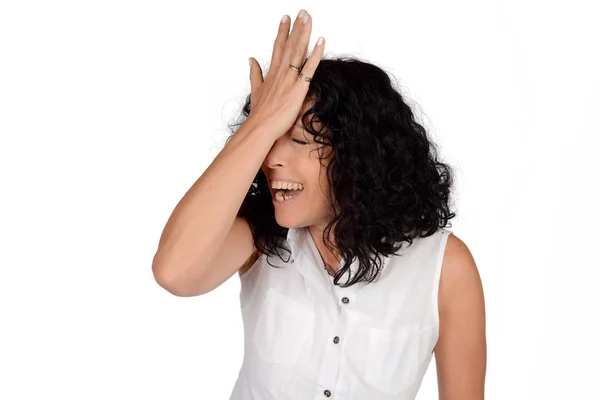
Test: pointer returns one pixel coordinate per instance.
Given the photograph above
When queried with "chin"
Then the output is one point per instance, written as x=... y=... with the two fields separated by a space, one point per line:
x=287 y=223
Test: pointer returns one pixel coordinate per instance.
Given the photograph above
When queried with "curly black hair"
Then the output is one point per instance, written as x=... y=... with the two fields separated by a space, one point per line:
x=387 y=185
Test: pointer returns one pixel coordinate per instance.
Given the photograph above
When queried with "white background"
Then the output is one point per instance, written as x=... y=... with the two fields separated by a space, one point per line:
x=110 y=111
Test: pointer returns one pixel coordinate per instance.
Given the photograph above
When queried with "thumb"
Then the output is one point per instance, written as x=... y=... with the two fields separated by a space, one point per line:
x=256 y=78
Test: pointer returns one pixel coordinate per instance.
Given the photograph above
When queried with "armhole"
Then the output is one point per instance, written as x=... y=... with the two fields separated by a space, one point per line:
x=252 y=260
x=437 y=275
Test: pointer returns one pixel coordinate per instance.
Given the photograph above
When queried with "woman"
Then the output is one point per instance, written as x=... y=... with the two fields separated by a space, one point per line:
x=367 y=201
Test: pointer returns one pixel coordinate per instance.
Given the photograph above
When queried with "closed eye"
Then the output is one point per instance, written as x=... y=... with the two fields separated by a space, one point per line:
x=298 y=141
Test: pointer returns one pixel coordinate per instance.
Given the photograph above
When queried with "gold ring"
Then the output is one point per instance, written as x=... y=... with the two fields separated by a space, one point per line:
x=306 y=78
x=294 y=68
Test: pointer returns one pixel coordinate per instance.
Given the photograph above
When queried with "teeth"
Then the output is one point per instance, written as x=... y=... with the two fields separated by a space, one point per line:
x=279 y=196
x=286 y=185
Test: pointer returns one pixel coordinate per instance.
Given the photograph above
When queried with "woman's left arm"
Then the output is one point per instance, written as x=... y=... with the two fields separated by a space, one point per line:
x=460 y=353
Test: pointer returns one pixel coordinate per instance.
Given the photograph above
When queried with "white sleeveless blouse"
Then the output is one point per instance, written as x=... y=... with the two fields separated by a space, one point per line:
x=306 y=338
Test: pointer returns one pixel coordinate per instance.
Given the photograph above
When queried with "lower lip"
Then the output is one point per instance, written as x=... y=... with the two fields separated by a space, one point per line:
x=283 y=202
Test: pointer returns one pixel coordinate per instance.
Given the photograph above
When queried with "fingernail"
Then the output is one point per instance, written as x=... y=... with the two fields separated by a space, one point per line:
x=302 y=13
x=320 y=41
x=284 y=18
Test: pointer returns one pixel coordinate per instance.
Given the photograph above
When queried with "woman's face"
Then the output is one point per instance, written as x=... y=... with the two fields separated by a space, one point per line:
x=291 y=160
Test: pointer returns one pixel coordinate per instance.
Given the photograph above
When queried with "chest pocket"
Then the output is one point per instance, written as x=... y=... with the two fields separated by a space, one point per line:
x=392 y=361
x=284 y=329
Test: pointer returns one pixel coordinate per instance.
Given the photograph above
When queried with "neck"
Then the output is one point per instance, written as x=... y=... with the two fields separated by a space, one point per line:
x=330 y=260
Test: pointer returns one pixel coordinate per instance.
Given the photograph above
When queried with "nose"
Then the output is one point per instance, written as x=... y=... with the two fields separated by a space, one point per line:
x=278 y=155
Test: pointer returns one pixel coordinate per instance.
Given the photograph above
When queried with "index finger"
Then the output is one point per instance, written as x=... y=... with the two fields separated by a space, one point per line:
x=282 y=35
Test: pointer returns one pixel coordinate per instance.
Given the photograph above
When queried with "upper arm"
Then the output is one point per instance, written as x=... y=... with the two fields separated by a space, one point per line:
x=233 y=254
x=236 y=254
x=460 y=352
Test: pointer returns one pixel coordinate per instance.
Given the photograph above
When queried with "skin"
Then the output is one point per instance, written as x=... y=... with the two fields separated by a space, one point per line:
x=460 y=353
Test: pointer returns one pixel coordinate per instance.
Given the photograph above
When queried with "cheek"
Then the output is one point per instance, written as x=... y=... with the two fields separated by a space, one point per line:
x=323 y=181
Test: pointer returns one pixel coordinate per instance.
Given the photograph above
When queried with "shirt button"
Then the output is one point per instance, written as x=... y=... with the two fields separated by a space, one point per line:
x=345 y=300
x=327 y=393
x=336 y=340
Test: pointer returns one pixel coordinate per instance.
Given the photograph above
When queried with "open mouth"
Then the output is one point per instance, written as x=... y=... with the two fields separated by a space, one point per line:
x=284 y=195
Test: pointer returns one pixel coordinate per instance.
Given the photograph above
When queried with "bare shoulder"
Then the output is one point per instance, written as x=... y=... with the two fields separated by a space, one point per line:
x=459 y=277
x=461 y=349
x=458 y=265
